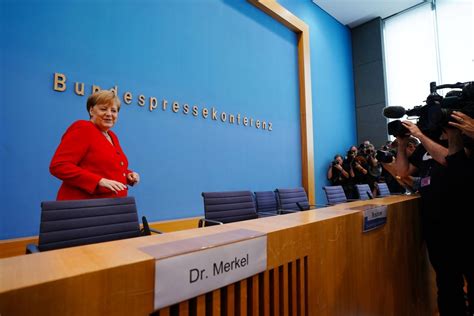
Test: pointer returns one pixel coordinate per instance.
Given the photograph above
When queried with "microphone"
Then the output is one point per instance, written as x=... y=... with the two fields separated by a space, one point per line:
x=394 y=111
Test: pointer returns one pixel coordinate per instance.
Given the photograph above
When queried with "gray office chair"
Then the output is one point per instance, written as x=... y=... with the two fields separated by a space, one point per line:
x=293 y=200
x=227 y=207
x=81 y=222
x=335 y=195
x=383 y=189
x=365 y=193
x=266 y=202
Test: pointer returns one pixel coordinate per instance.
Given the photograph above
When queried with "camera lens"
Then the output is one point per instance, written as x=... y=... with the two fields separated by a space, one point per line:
x=384 y=156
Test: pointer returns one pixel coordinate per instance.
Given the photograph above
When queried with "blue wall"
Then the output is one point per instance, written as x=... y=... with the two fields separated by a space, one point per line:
x=222 y=53
x=334 y=117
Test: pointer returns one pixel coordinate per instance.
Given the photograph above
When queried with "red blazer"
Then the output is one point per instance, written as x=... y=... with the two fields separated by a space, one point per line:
x=85 y=156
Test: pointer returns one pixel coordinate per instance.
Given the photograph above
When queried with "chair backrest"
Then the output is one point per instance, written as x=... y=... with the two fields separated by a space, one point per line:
x=287 y=199
x=266 y=202
x=364 y=191
x=81 y=222
x=230 y=206
x=383 y=189
x=335 y=194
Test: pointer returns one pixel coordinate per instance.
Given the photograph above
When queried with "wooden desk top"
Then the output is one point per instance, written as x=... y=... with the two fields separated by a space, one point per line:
x=30 y=270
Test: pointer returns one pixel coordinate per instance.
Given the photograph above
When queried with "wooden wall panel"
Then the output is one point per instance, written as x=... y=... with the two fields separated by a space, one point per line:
x=301 y=29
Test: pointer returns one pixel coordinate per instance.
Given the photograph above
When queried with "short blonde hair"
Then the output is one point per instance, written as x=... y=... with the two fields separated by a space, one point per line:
x=102 y=97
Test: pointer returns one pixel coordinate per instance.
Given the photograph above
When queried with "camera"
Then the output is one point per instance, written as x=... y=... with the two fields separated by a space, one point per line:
x=396 y=129
x=351 y=155
x=369 y=151
x=335 y=162
x=436 y=113
x=384 y=156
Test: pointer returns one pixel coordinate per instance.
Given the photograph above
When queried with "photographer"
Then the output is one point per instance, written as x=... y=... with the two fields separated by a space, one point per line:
x=460 y=164
x=446 y=173
x=336 y=173
x=396 y=183
x=374 y=170
x=339 y=174
x=349 y=189
x=359 y=168
x=437 y=195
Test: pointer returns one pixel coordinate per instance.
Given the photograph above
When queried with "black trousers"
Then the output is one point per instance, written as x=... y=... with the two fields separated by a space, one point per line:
x=452 y=263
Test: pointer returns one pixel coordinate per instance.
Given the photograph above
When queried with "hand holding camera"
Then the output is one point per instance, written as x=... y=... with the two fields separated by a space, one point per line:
x=463 y=122
x=438 y=111
x=336 y=165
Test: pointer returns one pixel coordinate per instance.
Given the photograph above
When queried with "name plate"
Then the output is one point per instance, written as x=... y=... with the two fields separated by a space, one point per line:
x=209 y=266
x=374 y=217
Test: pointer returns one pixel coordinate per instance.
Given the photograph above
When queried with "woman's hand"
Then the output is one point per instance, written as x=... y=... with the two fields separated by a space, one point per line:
x=463 y=122
x=133 y=178
x=112 y=185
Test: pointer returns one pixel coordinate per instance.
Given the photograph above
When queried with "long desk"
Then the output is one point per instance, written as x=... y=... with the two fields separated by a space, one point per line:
x=318 y=263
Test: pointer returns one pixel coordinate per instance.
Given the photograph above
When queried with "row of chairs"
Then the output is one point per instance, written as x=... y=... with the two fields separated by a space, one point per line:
x=335 y=194
x=82 y=222
x=73 y=223
x=234 y=206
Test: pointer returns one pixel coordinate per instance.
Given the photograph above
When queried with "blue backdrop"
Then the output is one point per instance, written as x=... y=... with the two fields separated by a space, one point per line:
x=225 y=54
x=334 y=117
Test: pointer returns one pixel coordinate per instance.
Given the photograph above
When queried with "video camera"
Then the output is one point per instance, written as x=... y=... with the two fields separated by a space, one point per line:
x=436 y=113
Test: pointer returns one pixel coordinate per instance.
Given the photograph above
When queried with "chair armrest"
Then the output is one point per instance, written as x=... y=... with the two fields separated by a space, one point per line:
x=319 y=206
x=311 y=206
x=348 y=200
x=202 y=222
x=32 y=248
x=156 y=231
x=266 y=214
x=146 y=230
x=282 y=211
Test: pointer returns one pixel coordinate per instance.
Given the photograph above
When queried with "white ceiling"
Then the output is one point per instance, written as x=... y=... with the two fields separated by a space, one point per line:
x=356 y=12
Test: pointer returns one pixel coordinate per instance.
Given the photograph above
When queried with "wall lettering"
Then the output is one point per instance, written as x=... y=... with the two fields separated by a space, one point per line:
x=60 y=85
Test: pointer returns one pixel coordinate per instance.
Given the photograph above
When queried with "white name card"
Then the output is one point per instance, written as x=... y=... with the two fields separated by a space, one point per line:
x=184 y=276
x=374 y=217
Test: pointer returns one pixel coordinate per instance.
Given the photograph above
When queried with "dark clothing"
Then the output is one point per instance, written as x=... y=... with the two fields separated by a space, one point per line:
x=359 y=176
x=433 y=188
x=392 y=183
x=442 y=231
x=373 y=172
x=461 y=175
x=337 y=177
x=349 y=186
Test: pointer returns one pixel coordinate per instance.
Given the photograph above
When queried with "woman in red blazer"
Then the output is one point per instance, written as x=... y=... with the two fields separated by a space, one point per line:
x=89 y=159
